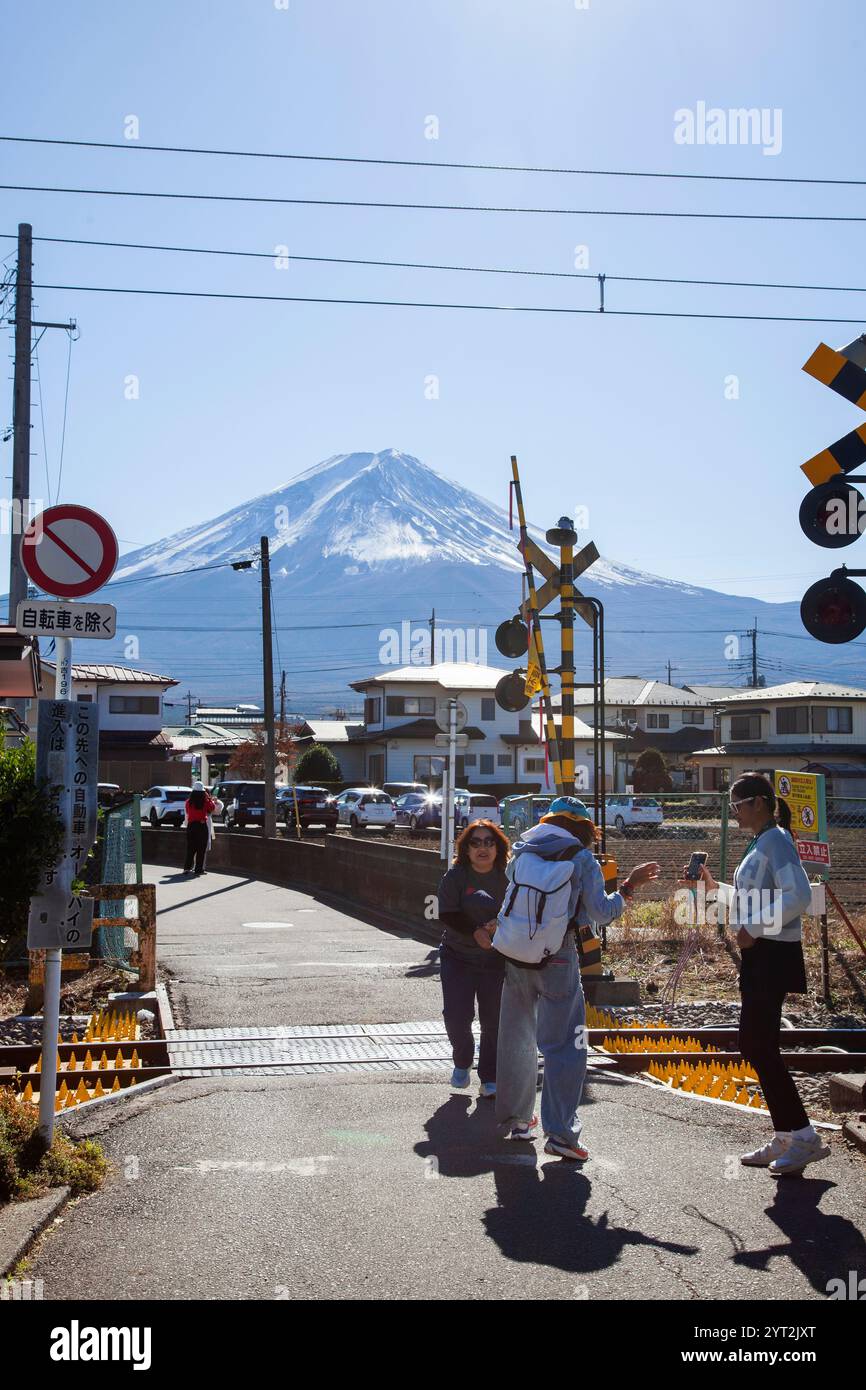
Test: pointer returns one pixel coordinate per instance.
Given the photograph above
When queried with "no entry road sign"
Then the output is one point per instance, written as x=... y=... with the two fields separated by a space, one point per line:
x=69 y=551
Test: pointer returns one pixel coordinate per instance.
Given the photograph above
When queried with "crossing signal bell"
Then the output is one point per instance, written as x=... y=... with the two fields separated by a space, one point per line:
x=833 y=512
x=511 y=692
x=512 y=638
x=834 y=609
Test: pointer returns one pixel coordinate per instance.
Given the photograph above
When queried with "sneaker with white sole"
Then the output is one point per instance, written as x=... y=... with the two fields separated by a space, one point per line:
x=528 y=1131
x=460 y=1078
x=798 y=1153
x=566 y=1148
x=487 y=1089
x=762 y=1158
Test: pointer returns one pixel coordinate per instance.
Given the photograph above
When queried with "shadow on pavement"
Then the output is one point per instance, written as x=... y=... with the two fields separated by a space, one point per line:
x=199 y=897
x=821 y=1245
x=540 y=1217
x=426 y=968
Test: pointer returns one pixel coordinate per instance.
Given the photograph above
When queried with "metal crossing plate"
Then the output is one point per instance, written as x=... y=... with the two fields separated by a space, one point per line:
x=310 y=1048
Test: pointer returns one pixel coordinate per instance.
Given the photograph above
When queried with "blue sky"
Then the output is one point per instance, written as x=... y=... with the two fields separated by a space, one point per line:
x=626 y=416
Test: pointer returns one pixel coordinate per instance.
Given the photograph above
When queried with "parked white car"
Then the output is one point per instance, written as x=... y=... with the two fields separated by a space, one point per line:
x=470 y=806
x=627 y=812
x=164 y=805
x=360 y=807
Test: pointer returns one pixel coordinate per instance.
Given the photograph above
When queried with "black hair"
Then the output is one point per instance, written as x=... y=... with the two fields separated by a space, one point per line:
x=754 y=785
x=197 y=801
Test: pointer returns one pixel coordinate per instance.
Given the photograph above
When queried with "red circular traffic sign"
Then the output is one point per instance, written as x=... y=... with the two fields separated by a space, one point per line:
x=69 y=551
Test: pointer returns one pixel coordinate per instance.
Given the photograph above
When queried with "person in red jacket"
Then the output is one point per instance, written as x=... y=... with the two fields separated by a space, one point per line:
x=198 y=807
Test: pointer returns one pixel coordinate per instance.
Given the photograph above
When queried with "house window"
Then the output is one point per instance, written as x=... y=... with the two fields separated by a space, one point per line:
x=628 y=714
x=88 y=699
x=745 y=727
x=488 y=709
x=831 y=719
x=133 y=704
x=693 y=716
x=533 y=765
x=793 y=721
x=373 y=709
x=720 y=778
x=470 y=759
x=427 y=769
x=658 y=721
x=376 y=769
x=503 y=759
x=487 y=764
x=410 y=704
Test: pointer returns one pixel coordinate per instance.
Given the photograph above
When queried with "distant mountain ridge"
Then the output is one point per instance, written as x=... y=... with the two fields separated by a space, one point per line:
x=361 y=542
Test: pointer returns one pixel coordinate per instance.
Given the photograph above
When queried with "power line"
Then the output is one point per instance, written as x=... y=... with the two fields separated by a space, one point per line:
x=430 y=164
x=430 y=207
x=432 y=265
x=429 y=304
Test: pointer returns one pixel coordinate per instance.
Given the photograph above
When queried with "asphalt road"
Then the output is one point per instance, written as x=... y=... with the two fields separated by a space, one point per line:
x=369 y=1187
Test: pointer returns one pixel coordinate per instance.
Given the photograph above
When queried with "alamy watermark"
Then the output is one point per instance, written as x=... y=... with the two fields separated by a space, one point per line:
x=712 y=125
x=408 y=646
x=740 y=907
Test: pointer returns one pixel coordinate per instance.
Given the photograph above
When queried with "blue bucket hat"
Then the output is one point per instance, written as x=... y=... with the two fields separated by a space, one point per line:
x=568 y=806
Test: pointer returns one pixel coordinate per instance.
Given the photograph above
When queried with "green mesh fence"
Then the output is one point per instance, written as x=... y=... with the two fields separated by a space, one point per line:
x=121 y=863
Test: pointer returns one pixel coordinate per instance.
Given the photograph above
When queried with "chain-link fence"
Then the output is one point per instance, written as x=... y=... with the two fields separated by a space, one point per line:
x=121 y=863
x=669 y=826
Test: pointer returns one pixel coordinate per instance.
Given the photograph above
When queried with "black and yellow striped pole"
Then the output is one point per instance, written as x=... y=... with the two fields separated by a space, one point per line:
x=565 y=536
x=534 y=624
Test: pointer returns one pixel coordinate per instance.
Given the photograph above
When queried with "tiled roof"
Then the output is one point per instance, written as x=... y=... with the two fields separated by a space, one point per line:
x=800 y=690
x=636 y=691
x=415 y=728
x=451 y=675
x=114 y=675
x=775 y=750
x=333 y=730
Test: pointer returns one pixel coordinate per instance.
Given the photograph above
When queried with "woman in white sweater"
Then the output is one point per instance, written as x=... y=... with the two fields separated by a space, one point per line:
x=769 y=893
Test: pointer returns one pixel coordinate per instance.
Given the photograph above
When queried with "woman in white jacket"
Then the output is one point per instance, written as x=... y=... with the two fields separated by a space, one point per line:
x=769 y=893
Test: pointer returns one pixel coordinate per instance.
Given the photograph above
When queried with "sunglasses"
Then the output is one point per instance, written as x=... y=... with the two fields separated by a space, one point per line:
x=735 y=805
x=487 y=843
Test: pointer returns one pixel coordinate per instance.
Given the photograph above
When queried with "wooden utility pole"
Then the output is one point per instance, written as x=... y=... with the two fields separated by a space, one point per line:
x=21 y=416
x=431 y=623
x=268 y=677
x=282 y=700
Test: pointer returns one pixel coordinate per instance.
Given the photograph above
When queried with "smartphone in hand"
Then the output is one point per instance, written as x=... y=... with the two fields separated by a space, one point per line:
x=694 y=866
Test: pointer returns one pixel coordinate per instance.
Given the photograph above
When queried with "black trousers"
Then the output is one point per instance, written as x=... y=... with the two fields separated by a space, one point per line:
x=764 y=982
x=196 y=846
x=462 y=984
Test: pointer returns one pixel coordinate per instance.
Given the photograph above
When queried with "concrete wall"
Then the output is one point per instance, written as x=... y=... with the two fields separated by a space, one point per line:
x=390 y=879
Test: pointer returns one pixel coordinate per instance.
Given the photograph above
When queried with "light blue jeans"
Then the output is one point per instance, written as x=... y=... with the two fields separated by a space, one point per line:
x=542 y=1011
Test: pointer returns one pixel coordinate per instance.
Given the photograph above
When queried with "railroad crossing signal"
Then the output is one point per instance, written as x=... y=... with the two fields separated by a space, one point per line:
x=521 y=635
x=833 y=512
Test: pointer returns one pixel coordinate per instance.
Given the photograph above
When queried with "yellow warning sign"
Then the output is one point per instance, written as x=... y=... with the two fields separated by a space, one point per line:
x=533 y=682
x=800 y=791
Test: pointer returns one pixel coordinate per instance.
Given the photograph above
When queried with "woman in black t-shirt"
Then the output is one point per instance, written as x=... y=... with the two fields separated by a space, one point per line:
x=470 y=896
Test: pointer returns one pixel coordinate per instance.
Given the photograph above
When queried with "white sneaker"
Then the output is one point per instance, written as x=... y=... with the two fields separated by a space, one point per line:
x=762 y=1158
x=797 y=1155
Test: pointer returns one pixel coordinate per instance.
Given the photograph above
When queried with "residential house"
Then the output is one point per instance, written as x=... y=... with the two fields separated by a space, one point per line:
x=650 y=714
x=799 y=726
x=504 y=752
x=133 y=751
x=20 y=671
x=345 y=740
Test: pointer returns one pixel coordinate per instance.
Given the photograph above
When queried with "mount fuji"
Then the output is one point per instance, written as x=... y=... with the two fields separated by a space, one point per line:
x=364 y=542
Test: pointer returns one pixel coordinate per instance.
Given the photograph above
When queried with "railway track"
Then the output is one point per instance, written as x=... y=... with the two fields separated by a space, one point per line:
x=803 y=1049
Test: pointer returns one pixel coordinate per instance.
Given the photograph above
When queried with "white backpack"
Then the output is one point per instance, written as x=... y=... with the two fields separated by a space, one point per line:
x=533 y=918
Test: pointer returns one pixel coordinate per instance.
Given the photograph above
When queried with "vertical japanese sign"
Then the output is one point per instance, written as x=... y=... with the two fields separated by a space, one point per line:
x=67 y=756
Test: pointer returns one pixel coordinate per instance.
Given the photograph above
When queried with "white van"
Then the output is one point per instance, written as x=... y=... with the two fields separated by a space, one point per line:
x=470 y=806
